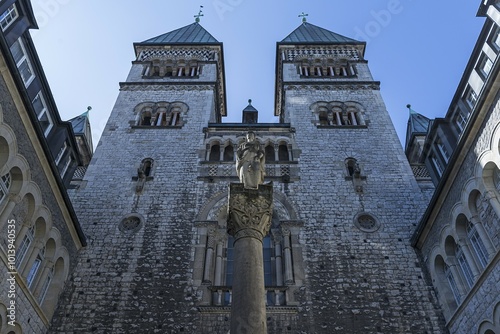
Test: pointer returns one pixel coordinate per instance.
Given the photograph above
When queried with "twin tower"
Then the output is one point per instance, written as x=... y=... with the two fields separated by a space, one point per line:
x=153 y=202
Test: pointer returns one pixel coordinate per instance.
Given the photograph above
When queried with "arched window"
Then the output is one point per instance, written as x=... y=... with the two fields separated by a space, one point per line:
x=283 y=152
x=229 y=153
x=168 y=71
x=24 y=246
x=156 y=71
x=269 y=151
x=477 y=245
x=351 y=166
x=146 y=117
x=352 y=116
x=464 y=266
x=161 y=116
x=453 y=284
x=45 y=286
x=337 y=116
x=323 y=117
x=30 y=279
x=146 y=167
x=214 y=152
x=174 y=117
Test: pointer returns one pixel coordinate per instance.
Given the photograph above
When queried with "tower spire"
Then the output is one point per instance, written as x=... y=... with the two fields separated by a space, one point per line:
x=200 y=13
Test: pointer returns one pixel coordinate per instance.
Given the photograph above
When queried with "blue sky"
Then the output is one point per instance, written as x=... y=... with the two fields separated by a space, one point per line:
x=417 y=49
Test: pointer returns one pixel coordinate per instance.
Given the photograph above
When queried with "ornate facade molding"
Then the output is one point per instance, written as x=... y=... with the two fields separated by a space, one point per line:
x=163 y=86
x=339 y=52
x=338 y=86
x=203 y=54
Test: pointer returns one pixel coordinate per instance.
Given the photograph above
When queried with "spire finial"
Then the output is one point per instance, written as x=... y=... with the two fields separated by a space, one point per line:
x=410 y=109
x=303 y=16
x=200 y=13
x=249 y=101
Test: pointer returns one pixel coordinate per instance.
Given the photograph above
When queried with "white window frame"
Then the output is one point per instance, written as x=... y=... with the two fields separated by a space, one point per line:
x=471 y=98
x=443 y=150
x=61 y=153
x=462 y=119
x=439 y=166
x=8 y=17
x=43 y=112
x=496 y=39
x=24 y=58
x=66 y=165
x=485 y=65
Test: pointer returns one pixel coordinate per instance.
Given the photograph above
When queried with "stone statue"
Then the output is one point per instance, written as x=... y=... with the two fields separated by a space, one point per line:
x=250 y=162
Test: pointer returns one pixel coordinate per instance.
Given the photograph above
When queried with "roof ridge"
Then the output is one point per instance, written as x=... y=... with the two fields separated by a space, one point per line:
x=191 y=33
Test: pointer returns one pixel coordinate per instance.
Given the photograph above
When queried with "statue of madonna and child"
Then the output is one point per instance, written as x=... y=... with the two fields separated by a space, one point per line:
x=250 y=162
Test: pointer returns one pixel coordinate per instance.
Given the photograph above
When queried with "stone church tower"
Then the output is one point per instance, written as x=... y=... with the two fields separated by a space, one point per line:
x=153 y=202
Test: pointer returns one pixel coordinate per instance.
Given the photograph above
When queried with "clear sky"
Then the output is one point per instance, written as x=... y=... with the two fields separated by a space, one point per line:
x=417 y=49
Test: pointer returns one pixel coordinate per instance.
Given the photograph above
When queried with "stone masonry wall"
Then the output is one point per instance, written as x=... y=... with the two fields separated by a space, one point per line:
x=358 y=281
x=485 y=297
x=26 y=315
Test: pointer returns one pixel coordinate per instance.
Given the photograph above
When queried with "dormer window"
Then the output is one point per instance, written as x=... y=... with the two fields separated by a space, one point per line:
x=22 y=62
x=470 y=97
x=9 y=16
x=42 y=113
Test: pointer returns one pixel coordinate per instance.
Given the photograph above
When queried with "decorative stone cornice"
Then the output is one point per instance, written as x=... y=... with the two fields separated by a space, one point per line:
x=250 y=211
x=204 y=54
x=164 y=86
x=336 y=52
x=375 y=85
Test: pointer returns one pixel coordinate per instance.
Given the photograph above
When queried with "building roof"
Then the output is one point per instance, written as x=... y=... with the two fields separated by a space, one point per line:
x=79 y=123
x=309 y=33
x=417 y=123
x=249 y=107
x=193 y=33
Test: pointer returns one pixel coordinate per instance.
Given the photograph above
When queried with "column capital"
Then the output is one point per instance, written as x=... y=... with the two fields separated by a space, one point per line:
x=249 y=211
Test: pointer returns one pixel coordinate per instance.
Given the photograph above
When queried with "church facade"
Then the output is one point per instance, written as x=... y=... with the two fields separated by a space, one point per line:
x=365 y=237
x=338 y=256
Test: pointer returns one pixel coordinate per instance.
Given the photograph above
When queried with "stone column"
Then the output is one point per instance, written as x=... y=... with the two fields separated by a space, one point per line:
x=249 y=220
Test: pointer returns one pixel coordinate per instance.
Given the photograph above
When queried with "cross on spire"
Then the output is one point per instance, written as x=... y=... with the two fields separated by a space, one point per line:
x=303 y=16
x=200 y=13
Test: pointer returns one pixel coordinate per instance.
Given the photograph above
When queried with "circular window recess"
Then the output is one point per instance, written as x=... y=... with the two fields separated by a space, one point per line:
x=131 y=223
x=366 y=222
